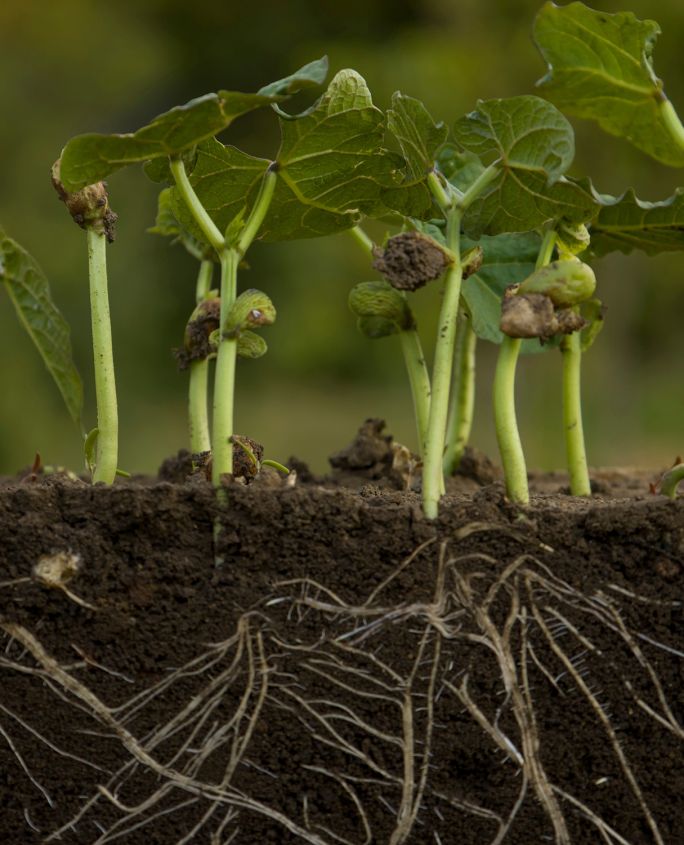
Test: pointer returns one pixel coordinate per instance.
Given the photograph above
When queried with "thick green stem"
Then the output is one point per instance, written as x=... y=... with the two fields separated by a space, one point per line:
x=673 y=123
x=506 y=424
x=433 y=478
x=462 y=394
x=105 y=385
x=204 y=278
x=259 y=209
x=224 y=378
x=572 y=416
x=419 y=380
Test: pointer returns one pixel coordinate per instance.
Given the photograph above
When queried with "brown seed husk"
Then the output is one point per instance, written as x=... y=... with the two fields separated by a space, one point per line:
x=196 y=344
x=89 y=207
x=410 y=260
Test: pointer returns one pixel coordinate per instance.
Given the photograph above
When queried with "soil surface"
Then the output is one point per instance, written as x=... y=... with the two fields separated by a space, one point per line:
x=309 y=660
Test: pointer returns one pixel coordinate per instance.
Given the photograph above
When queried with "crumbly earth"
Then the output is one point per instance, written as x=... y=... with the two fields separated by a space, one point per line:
x=313 y=663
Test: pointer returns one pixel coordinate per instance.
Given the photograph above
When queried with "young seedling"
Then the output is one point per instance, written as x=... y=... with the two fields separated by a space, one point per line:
x=89 y=208
x=382 y=311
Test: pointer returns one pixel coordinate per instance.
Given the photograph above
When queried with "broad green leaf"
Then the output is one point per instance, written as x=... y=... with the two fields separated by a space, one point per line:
x=600 y=67
x=460 y=168
x=508 y=259
x=168 y=225
x=533 y=144
x=525 y=133
x=628 y=223
x=419 y=139
x=522 y=201
x=89 y=158
x=29 y=290
x=331 y=169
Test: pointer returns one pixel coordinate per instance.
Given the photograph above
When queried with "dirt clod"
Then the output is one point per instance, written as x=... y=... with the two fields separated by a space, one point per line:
x=410 y=260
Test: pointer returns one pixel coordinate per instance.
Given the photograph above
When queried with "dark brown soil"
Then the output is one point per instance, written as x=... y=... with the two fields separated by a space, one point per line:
x=313 y=663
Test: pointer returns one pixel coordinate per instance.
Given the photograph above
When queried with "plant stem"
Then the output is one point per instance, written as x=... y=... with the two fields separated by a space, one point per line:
x=485 y=178
x=204 y=277
x=419 y=381
x=670 y=480
x=105 y=384
x=226 y=358
x=259 y=209
x=506 y=424
x=198 y=416
x=433 y=478
x=198 y=211
x=505 y=421
x=224 y=377
x=572 y=416
x=362 y=239
x=672 y=122
x=462 y=394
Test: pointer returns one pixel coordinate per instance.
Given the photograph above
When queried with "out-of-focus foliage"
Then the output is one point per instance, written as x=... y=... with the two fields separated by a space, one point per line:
x=79 y=67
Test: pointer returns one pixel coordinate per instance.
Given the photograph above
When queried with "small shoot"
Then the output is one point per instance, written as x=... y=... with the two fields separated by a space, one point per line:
x=382 y=311
x=669 y=481
x=89 y=208
x=252 y=453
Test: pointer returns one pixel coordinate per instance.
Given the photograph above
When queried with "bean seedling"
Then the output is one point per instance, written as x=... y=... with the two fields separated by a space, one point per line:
x=487 y=206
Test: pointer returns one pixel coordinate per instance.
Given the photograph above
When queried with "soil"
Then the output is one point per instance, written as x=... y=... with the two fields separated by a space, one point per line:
x=316 y=662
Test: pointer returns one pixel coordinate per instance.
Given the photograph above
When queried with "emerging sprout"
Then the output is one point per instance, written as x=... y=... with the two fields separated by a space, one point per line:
x=670 y=480
x=410 y=260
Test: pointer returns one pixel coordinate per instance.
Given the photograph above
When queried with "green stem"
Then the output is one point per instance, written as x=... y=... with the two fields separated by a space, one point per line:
x=224 y=377
x=198 y=211
x=462 y=394
x=506 y=424
x=670 y=480
x=200 y=440
x=444 y=201
x=259 y=209
x=105 y=385
x=572 y=416
x=433 y=478
x=419 y=381
x=505 y=421
x=485 y=178
x=362 y=239
x=204 y=278
x=672 y=122
x=226 y=358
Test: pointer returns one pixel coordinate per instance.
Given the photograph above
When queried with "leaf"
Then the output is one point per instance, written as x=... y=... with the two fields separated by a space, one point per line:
x=87 y=159
x=29 y=290
x=168 y=225
x=524 y=201
x=600 y=67
x=331 y=169
x=628 y=223
x=460 y=168
x=525 y=133
x=251 y=345
x=534 y=145
x=508 y=259
x=419 y=139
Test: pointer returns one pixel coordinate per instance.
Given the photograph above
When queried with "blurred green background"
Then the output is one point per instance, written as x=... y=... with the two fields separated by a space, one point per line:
x=76 y=66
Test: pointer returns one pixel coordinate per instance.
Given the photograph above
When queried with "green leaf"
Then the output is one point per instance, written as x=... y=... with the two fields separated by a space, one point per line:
x=419 y=139
x=533 y=144
x=167 y=224
x=600 y=67
x=525 y=133
x=524 y=201
x=251 y=345
x=460 y=168
x=29 y=290
x=508 y=259
x=331 y=169
x=89 y=158
x=628 y=223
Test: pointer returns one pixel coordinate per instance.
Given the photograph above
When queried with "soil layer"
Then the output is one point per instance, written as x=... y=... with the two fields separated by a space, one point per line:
x=313 y=662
